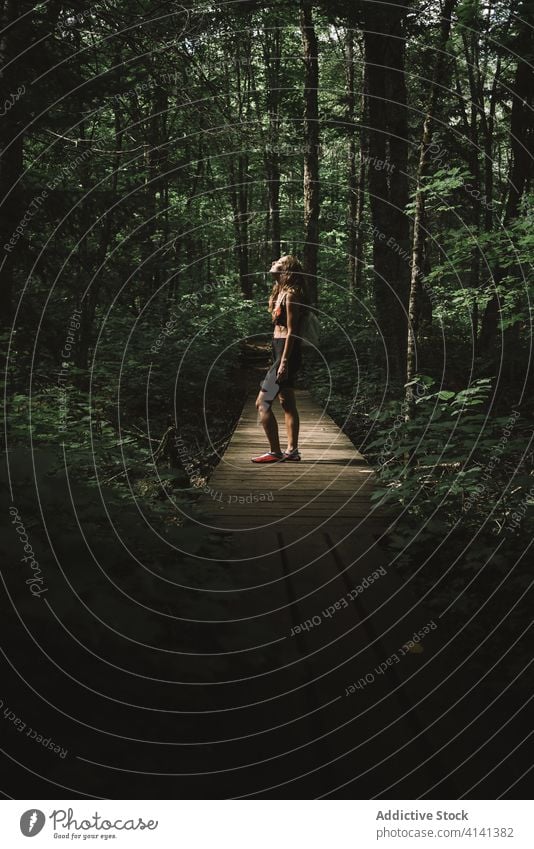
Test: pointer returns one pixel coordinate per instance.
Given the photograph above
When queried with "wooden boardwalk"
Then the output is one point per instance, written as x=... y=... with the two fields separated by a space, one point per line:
x=271 y=659
x=329 y=487
x=320 y=685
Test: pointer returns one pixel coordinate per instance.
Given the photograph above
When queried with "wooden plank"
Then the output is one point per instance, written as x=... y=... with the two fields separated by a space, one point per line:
x=294 y=557
x=284 y=712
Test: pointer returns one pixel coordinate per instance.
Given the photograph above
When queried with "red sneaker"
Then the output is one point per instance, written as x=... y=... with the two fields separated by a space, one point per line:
x=269 y=457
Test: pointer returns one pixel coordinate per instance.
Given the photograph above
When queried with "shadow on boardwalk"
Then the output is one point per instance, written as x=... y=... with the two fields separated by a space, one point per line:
x=331 y=636
x=342 y=684
x=290 y=663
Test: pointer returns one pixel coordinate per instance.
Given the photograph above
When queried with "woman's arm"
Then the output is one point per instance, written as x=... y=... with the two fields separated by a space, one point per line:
x=292 y=313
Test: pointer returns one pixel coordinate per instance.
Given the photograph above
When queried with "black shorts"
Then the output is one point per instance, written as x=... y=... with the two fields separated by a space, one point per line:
x=269 y=384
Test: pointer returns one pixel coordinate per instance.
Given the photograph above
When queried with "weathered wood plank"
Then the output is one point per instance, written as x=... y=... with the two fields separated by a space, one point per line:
x=304 y=540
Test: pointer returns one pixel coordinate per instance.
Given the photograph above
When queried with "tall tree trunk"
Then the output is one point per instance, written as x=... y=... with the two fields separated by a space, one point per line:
x=360 y=233
x=90 y=301
x=239 y=195
x=418 y=238
x=311 y=148
x=356 y=171
x=11 y=211
x=160 y=154
x=521 y=134
x=384 y=41
x=272 y=54
x=22 y=46
x=12 y=123
x=352 y=171
x=184 y=243
x=239 y=176
x=521 y=169
x=473 y=217
x=488 y=124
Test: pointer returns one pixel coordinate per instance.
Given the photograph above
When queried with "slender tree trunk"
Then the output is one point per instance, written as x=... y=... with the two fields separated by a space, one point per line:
x=352 y=175
x=311 y=148
x=522 y=148
x=488 y=125
x=11 y=152
x=90 y=301
x=239 y=173
x=239 y=194
x=243 y=194
x=272 y=56
x=185 y=242
x=22 y=49
x=160 y=156
x=521 y=135
x=356 y=172
x=85 y=262
x=418 y=239
x=11 y=211
x=275 y=235
x=384 y=41
x=476 y=99
x=360 y=233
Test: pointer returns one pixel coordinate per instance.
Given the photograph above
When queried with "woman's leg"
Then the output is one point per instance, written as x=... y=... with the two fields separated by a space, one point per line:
x=268 y=420
x=289 y=406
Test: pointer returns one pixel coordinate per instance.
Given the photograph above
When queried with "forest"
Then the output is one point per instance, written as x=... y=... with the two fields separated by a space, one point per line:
x=156 y=158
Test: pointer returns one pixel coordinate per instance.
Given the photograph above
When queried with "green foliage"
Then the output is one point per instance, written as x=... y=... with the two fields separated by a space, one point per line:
x=454 y=466
x=469 y=14
x=156 y=220
x=439 y=186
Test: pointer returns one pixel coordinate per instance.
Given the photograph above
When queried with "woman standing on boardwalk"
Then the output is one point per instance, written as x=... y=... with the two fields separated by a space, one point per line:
x=287 y=304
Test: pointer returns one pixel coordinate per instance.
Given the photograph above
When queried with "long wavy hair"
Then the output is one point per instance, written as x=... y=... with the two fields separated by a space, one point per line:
x=291 y=279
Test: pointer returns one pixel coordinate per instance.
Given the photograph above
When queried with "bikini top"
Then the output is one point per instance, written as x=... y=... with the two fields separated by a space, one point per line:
x=280 y=312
